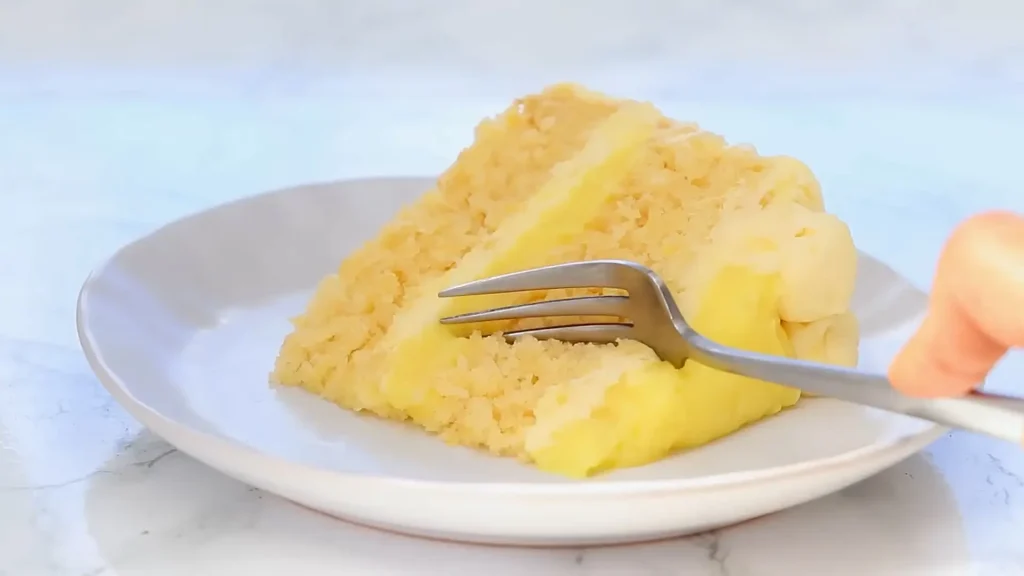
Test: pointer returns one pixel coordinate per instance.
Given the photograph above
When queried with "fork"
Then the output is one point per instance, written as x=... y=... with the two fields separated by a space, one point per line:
x=654 y=319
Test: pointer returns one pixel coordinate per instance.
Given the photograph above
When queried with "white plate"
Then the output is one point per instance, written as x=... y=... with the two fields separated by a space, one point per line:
x=183 y=325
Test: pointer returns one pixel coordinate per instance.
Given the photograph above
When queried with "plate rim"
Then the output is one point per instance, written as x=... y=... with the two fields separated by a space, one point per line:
x=907 y=443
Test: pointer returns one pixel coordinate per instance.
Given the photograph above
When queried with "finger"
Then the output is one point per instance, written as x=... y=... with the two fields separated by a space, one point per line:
x=976 y=310
x=947 y=356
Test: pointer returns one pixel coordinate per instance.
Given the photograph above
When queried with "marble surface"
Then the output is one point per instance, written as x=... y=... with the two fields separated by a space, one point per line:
x=116 y=118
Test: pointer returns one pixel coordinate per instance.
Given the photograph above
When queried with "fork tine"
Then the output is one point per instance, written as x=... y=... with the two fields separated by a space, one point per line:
x=588 y=274
x=606 y=333
x=583 y=306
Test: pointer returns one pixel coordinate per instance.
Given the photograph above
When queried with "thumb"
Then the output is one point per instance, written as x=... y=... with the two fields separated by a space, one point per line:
x=975 y=313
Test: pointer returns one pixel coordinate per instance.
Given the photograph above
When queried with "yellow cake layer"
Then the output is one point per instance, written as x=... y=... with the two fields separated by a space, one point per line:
x=742 y=240
x=512 y=155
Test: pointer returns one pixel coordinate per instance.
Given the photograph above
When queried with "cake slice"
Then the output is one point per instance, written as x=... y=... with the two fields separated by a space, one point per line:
x=567 y=174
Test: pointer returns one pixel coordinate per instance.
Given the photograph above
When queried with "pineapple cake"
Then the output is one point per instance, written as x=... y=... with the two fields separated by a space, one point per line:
x=742 y=240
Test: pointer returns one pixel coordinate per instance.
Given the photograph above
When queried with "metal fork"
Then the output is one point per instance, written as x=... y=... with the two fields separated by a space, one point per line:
x=655 y=320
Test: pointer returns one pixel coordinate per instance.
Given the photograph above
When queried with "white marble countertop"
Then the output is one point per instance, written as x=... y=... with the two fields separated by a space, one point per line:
x=116 y=118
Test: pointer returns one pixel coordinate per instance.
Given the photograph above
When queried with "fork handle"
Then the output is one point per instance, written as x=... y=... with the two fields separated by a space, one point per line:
x=989 y=414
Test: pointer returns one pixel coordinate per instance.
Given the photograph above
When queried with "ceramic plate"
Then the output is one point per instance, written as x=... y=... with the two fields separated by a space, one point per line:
x=182 y=328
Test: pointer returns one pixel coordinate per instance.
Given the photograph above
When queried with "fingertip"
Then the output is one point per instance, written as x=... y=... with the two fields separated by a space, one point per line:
x=924 y=379
x=997 y=218
x=974 y=313
x=945 y=357
x=917 y=371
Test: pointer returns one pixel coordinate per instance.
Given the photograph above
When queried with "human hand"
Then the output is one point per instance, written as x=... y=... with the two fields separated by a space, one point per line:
x=976 y=311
